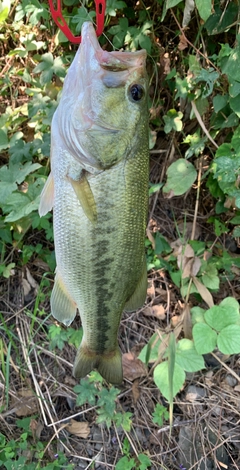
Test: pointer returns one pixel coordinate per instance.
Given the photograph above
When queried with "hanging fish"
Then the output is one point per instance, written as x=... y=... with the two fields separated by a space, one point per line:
x=98 y=188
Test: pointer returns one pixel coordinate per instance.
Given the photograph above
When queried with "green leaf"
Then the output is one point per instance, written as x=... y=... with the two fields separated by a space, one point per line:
x=4 y=144
x=125 y=464
x=204 y=8
x=219 y=102
x=160 y=376
x=220 y=316
x=144 y=460
x=197 y=315
x=173 y=121
x=86 y=393
x=180 y=177
x=150 y=352
x=113 y=5
x=187 y=356
x=159 y=414
x=210 y=277
x=124 y=420
x=5 y=190
x=229 y=340
x=205 y=339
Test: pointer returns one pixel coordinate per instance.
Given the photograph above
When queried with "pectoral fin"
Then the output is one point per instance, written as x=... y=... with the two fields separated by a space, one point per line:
x=63 y=308
x=46 y=201
x=138 y=297
x=85 y=196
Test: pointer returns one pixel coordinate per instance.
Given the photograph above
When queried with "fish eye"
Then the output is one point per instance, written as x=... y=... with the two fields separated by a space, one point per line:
x=136 y=92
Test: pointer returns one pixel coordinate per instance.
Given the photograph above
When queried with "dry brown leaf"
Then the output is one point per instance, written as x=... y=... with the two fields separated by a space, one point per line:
x=78 y=428
x=133 y=368
x=27 y=404
x=183 y=44
x=151 y=238
x=204 y=292
x=175 y=320
x=187 y=267
x=187 y=322
x=135 y=391
x=157 y=311
x=36 y=427
x=151 y=289
x=196 y=266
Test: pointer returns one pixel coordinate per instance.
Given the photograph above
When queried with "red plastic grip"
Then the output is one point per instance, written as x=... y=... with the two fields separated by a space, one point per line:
x=62 y=24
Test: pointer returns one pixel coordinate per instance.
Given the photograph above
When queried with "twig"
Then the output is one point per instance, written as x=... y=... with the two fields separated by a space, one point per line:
x=194 y=107
x=197 y=199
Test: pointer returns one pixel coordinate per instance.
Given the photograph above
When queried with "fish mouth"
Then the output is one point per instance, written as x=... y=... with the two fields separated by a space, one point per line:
x=114 y=61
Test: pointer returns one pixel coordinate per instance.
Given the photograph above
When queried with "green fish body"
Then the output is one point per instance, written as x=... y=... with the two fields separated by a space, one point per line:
x=98 y=188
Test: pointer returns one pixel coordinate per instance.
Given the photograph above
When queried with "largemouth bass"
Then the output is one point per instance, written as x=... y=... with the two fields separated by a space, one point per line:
x=98 y=188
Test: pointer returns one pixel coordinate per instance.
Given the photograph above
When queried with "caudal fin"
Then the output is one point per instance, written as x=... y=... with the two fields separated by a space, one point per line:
x=109 y=365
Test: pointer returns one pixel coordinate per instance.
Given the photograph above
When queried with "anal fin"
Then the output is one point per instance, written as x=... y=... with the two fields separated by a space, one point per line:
x=139 y=295
x=47 y=195
x=63 y=308
x=85 y=196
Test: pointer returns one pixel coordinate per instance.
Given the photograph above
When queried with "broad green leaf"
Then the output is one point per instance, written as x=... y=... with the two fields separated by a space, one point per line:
x=145 y=461
x=197 y=315
x=234 y=103
x=219 y=102
x=3 y=139
x=204 y=8
x=5 y=190
x=187 y=356
x=231 y=305
x=205 y=339
x=160 y=376
x=180 y=177
x=210 y=277
x=150 y=352
x=229 y=340
x=218 y=317
x=125 y=464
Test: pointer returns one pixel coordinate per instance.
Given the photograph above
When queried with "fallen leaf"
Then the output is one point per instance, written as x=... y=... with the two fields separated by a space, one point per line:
x=135 y=391
x=36 y=427
x=133 y=368
x=183 y=44
x=151 y=289
x=157 y=311
x=204 y=292
x=196 y=266
x=27 y=404
x=78 y=428
x=187 y=322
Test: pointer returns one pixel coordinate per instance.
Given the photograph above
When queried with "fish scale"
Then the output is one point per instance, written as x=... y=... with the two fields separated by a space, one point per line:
x=98 y=188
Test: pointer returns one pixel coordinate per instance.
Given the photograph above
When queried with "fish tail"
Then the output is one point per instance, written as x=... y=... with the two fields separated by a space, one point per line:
x=109 y=365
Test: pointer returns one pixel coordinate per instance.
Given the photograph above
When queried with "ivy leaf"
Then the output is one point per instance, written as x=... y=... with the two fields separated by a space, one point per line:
x=124 y=420
x=180 y=177
x=86 y=393
x=144 y=460
x=125 y=464
x=205 y=339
